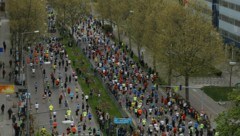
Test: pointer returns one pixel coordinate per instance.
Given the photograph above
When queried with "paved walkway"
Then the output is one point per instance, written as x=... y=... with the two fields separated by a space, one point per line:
x=6 y=128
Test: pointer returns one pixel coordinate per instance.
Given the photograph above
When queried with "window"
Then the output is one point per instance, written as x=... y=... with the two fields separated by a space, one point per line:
x=238 y=7
x=232 y=6
x=226 y=19
x=237 y=23
x=224 y=4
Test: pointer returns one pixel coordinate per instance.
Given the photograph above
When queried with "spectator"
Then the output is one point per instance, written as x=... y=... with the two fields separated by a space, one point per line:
x=10 y=112
x=2 y=108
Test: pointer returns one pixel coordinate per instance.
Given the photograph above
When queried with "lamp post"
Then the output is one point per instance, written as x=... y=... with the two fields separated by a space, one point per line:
x=231 y=63
x=27 y=94
x=22 y=34
x=129 y=30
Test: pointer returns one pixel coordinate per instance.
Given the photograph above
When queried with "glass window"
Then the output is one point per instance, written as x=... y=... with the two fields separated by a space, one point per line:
x=224 y=4
x=238 y=7
x=237 y=23
x=232 y=6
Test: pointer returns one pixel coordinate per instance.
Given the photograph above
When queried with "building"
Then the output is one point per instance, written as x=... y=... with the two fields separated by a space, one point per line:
x=226 y=17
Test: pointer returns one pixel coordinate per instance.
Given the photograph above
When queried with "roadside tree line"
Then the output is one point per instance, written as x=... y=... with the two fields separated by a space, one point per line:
x=180 y=36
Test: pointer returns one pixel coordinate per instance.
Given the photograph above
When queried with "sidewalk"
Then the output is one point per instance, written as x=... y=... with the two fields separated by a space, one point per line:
x=6 y=128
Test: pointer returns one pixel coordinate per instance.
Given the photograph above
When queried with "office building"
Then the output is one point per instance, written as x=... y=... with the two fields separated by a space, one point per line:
x=226 y=17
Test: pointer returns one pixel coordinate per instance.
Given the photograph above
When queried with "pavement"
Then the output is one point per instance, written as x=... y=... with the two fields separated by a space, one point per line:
x=6 y=128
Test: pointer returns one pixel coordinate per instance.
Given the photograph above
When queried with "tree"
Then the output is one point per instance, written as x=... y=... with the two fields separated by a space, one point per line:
x=228 y=122
x=119 y=13
x=104 y=7
x=138 y=19
x=152 y=26
x=26 y=16
x=191 y=41
x=71 y=10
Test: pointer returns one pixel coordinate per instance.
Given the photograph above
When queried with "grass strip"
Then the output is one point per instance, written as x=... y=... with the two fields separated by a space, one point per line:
x=217 y=93
x=104 y=102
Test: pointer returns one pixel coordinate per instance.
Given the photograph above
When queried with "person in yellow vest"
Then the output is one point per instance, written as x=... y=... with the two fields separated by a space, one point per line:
x=201 y=126
x=50 y=107
x=135 y=111
x=134 y=98
x=132 y=104
x=69 y=113
x=84 y=114
x=144 y=122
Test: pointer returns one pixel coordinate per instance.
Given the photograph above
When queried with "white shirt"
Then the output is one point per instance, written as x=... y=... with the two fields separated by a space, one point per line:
x=86 y=97
x=36 y=106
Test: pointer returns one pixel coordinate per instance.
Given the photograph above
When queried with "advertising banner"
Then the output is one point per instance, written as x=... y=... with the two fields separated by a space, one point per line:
x=7 y=89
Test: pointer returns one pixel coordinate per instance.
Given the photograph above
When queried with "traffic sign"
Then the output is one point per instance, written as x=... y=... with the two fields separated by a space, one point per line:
x=122 y=120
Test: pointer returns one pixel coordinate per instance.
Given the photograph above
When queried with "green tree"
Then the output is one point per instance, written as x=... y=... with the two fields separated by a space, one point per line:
x=228 y=122
x=152 y=26
x=120 y=11
x=26 y=16
x=191 y=42
x=71 y=10
x=103 y=7
x=138 y=21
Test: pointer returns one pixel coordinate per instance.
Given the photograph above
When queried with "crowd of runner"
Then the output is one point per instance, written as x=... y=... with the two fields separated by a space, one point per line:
x=136 y=89
x=59 y=79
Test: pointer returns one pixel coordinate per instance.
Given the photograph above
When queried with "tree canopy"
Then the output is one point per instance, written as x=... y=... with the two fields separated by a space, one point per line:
x=26 y=16
x=179 y=35
x=228 y=122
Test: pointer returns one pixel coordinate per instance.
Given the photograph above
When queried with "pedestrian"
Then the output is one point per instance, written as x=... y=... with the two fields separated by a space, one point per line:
x=2 y=108
x=54 y=114
x=3 y=73
x=76 y=112
x=10 y=112
x=86 y=97
x=44 y=72
x=60 y=99
x=14 y=118
x=10 y=75
x=66 y=104
x=77 y=97
x=36 y=87
x=11 y=51
x=36 y=106
x=4 y=46
x=10 y=63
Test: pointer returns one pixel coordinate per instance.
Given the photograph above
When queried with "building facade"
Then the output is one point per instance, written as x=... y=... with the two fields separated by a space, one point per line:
x=226 y=17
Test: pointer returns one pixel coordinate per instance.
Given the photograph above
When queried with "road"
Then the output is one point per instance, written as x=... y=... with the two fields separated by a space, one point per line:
x=43 y=115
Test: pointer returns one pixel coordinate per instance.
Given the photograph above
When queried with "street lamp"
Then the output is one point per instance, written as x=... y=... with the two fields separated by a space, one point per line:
x=129 y=31
x=34 y=32
x=231 y=63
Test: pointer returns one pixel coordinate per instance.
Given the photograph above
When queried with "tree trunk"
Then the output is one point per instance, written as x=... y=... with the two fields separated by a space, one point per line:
x=186 y=87
x=130 y=41
x=169 y=75
x=139 y=53
x=154 y=61
x=102 y=22
x=118 y=31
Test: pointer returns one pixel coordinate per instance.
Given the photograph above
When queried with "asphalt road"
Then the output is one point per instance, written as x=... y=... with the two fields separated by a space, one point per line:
x=43 y=115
